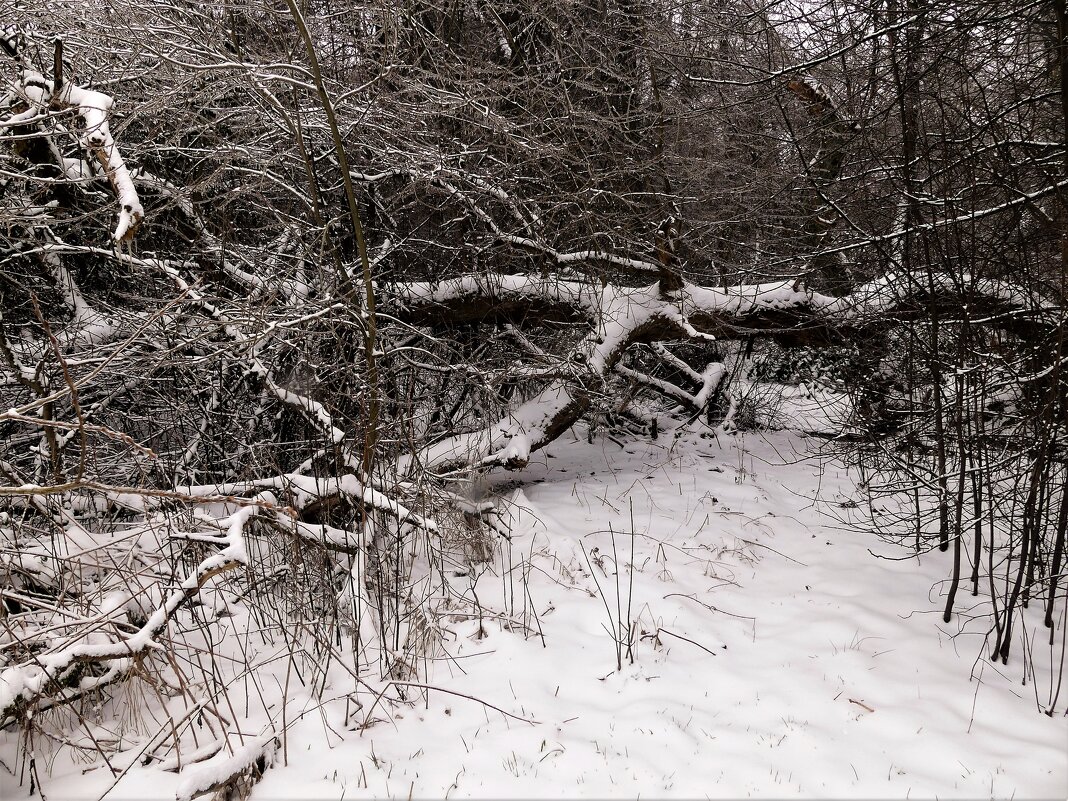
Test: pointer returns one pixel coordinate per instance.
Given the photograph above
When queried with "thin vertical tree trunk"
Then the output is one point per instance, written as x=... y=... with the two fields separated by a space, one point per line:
x=1058 y=554
x=1026 y=548
x=958 y=517
x=977 y=512
x=370 y=337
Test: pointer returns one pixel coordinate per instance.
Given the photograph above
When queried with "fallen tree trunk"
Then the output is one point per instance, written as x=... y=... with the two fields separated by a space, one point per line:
x=619 y=317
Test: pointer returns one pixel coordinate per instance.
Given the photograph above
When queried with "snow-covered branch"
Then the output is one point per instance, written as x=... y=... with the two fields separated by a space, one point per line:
x=54 y=673
x=40 y=97
x=577 y=256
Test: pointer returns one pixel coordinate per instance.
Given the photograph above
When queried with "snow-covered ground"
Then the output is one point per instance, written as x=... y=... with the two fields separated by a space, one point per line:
x=773 y=655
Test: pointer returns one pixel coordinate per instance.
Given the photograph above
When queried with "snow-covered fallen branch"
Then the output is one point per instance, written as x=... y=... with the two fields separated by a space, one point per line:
x=305 y=491
x=54 y=673
x=786 y=309
x=619 y=317
x=246 y=763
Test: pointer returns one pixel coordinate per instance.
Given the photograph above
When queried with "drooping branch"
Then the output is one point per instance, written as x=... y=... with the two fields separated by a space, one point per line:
x=39 y=97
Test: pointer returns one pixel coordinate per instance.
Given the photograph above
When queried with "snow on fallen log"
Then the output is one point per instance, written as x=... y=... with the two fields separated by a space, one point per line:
x=421 y=298
x=772 y=308
x=622 y=316
x=247 y=763
x=513 y=438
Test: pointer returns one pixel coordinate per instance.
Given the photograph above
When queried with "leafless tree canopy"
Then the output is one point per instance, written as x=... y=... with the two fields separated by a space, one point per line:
x=278 y=279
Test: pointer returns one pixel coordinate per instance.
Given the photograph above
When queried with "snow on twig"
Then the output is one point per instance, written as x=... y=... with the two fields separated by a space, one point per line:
x=525 y=243
x=312 y=408
x=304 y=490
x=209 y=240
x=661 y=386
